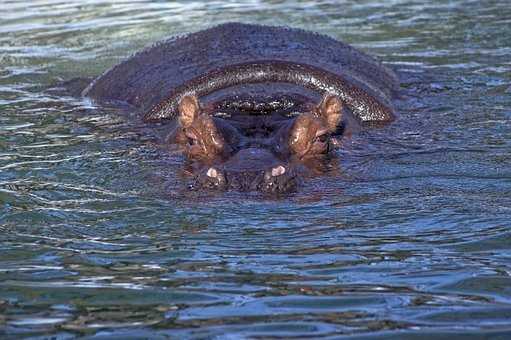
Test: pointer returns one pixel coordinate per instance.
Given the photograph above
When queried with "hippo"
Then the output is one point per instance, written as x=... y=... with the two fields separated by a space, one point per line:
x=252 y=107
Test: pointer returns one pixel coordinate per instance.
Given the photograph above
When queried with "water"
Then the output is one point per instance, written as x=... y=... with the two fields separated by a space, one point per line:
x=409 y=237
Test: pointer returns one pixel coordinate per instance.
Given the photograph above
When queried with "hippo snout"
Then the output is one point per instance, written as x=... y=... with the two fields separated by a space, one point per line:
x=274 y=180
x=251 y=169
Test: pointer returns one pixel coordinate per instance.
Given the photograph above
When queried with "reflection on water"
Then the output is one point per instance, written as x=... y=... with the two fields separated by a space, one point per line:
x=99 y=238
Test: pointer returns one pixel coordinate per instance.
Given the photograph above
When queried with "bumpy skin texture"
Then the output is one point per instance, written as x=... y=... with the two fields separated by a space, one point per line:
x=230 y=54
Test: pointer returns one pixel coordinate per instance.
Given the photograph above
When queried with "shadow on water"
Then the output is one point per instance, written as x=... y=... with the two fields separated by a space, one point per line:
x=410 y=236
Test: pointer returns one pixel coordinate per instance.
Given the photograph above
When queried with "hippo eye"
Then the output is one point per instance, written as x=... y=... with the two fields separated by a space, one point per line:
x=322 y=138
x=191 y=138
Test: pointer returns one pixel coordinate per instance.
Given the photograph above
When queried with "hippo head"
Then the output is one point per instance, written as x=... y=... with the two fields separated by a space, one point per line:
x=266 y=153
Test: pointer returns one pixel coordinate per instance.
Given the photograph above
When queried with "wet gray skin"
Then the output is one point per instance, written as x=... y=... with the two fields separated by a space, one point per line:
x=308 y=81
x=226 y=58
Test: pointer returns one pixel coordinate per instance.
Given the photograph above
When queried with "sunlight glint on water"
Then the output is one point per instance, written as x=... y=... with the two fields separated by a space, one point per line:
x=98 y=237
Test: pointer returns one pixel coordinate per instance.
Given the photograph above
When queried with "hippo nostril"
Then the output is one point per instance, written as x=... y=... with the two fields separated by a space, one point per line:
x=213 y=179
x=278 y=171
x=279 y=179
x=212 y=172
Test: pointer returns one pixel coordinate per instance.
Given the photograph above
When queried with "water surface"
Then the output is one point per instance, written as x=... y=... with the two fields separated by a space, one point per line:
x=409 y=235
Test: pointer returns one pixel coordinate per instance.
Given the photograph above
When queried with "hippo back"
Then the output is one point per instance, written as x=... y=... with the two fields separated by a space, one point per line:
x=147 y=78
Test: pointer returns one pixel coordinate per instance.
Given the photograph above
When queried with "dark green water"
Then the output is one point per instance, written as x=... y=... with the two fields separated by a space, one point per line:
x=410 y=237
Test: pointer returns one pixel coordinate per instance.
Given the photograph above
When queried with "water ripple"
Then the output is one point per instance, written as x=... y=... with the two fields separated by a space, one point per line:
x=408 y=236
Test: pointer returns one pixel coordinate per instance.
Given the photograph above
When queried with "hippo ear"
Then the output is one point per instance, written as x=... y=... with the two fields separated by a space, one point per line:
x=302 y=133
x=330 y=109
x=189 y=109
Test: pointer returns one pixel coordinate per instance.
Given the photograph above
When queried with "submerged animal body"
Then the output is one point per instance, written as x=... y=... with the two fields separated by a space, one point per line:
x=254 y=105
